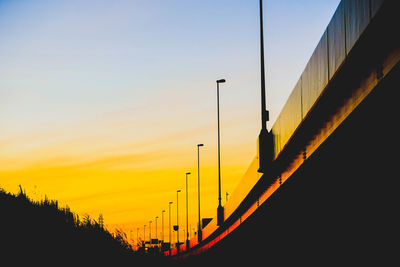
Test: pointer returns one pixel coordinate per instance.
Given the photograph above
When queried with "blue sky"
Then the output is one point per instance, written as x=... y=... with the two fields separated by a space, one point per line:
x=80 y=58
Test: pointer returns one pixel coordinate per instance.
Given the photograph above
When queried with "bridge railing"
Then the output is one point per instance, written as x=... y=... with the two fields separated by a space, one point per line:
x=342 y=33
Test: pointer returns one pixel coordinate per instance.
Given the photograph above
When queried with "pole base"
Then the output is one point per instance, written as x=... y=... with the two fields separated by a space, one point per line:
x=220 y=215
x=199 y=235
x=265 y=150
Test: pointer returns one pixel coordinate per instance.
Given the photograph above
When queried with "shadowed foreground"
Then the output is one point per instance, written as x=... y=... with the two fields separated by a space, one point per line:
x=43 y=233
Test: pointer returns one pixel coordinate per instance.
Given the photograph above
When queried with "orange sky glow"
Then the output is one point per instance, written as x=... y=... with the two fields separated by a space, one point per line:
x=128 y=181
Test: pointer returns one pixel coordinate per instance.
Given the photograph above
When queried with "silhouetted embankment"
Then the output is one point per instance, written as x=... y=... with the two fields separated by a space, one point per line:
x=46 y=234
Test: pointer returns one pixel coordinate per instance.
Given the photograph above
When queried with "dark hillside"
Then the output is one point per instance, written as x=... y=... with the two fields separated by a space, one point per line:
x=43 y=233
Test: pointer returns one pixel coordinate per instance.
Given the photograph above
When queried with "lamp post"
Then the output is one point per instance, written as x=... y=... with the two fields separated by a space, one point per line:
x=199 y=232
x=162 y=226
x=156 y=226
x=220 y=209
x=187 y=212
x=150 y=232
x=170 y=232
x=265 y=138
x=264 y=111
x=177 y=220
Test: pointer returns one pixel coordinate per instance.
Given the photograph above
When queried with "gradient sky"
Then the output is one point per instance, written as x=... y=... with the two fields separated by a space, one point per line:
x=102 y=103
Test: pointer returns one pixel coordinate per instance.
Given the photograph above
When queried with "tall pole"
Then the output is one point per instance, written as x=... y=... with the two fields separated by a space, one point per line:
x=162 y=236
x=187 y=212
x=264 y=112
x=265 y=138
x=219 y=150
x=177 y=219
x=170 y=231
x=220 y=210
x=199 y=232
x=156 y=226
x=150 y=232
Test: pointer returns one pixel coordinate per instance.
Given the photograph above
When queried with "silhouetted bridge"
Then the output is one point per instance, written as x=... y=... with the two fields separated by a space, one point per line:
x=330 y=192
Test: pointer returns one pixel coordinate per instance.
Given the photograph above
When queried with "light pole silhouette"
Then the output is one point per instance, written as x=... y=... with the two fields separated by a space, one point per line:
x=187 y=212
x=156 y=226
x=170 y=232
x=150 y=232
x=162 y=226
x=265 y=138
x=264 y=111
x=177 y=220
x=220 y=209
x=199 y=230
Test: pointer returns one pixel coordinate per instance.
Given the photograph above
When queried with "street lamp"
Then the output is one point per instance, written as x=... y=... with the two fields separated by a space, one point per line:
x=150 y=232
x=199 y=232
x=162 y=225
x=265 y=138
x=220 y=209
x=177 y=221
x=170 y=241
x=156 y=226
x=187 y=212
x=264 y=111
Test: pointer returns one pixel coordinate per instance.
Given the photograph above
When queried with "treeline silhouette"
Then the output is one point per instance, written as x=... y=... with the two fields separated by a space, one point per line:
x=41 y=232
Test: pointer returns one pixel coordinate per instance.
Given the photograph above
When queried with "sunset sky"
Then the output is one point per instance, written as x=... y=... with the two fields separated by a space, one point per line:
x=102 y=103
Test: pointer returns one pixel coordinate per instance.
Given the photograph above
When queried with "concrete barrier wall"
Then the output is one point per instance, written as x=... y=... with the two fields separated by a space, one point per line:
x=342 y=33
